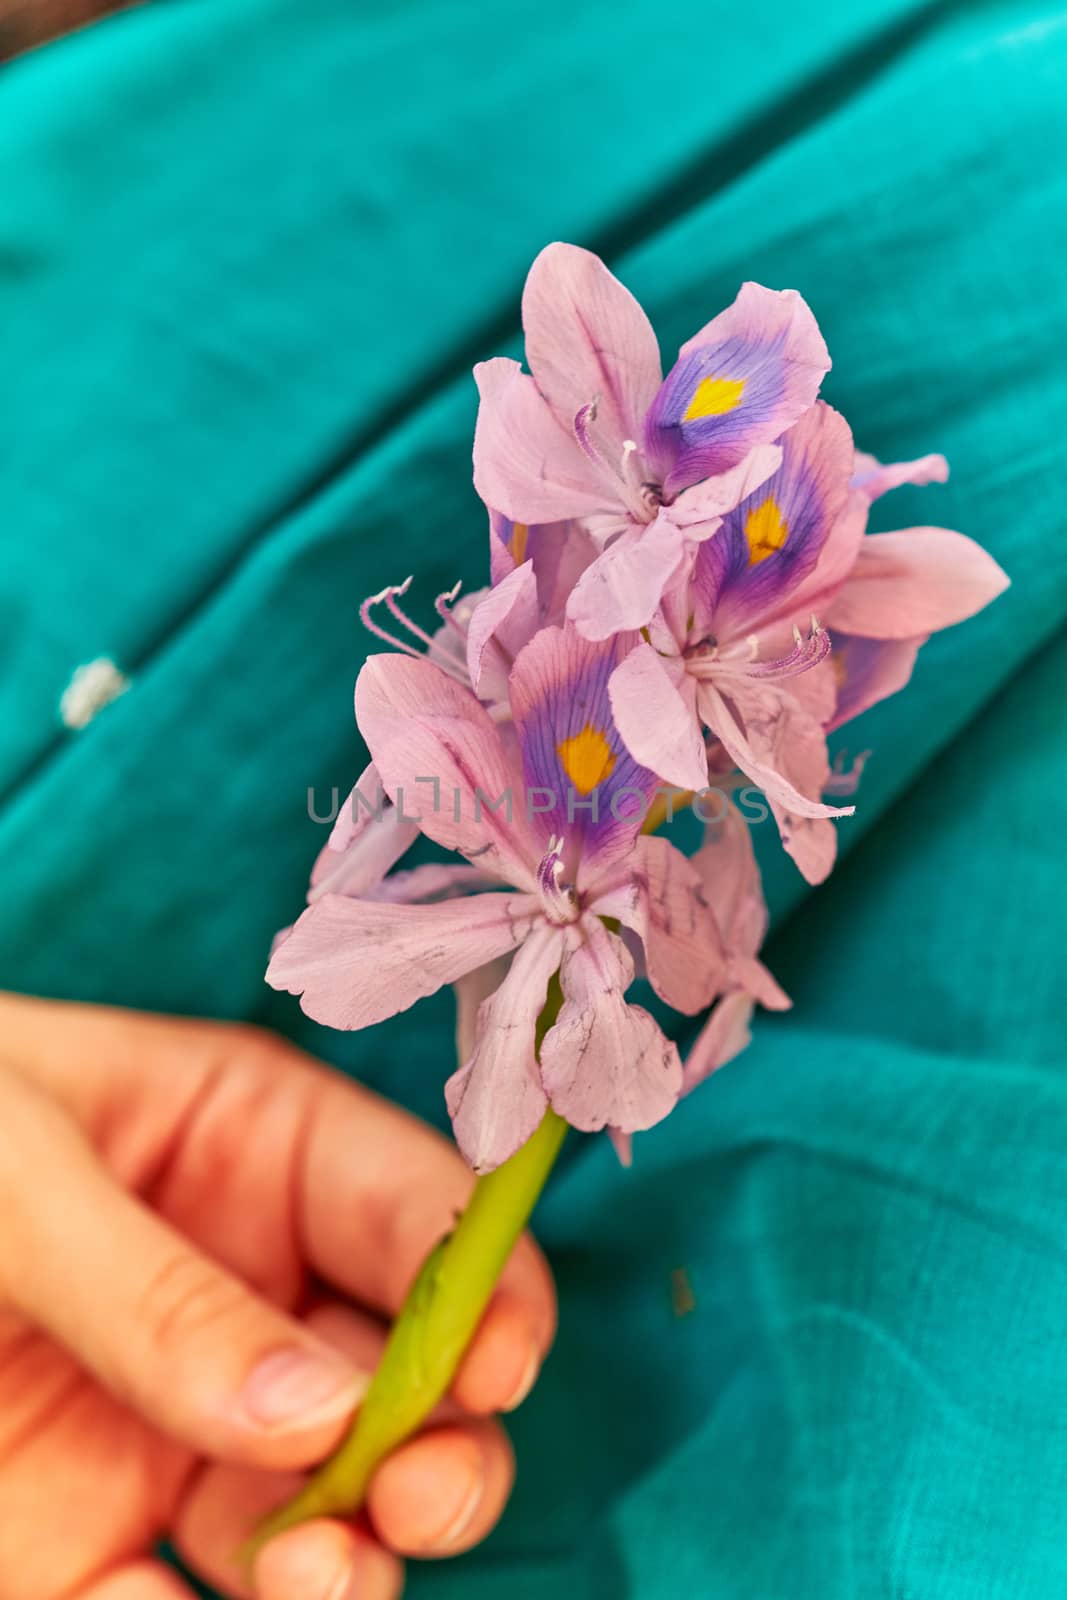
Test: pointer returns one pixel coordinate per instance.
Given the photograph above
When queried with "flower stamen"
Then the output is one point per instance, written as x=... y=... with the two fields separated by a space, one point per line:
x=453 y=666
x=559 y=899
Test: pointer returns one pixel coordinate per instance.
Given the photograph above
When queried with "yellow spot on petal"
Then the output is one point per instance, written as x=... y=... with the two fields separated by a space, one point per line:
x=713 y=397
x=587 y=758
x=519 y=535
x=766 y=531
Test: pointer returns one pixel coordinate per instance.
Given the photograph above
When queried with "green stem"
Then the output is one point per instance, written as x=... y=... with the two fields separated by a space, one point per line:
x=433 y=1329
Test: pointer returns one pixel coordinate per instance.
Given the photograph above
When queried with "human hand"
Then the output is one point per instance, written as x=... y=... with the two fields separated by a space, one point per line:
x=202 y=1232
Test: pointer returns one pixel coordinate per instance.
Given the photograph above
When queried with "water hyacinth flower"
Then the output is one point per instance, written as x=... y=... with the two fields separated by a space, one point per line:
x=725 y=653
x=565 y=842
x=741 y=643
x=682 y=592
x=594 y=433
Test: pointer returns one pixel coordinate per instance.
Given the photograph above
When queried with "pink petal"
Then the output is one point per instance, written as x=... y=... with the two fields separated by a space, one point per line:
x=814 y=595
x=587 y=338
x=606 y=1063
x=753 y=977
x=471 y=990
x=500 y=625
x=725 y=1034
x=435 y=880
x=875 y=480
x=726 y=862
x=363 y=805
x=811 y=841
x=496 y=1099
x=560 y=552
x=915 y=581
x=769 y=344
x=664 y=902
x=356 y=962
x=755 y=745
x=815 y=690
x=525 y=465
x=802 y=759
x=712 y=499
x=623 y=1146
x=655 y=712
x=442 y=760
x=622 y=588
x=758 y=312
x=361 y=866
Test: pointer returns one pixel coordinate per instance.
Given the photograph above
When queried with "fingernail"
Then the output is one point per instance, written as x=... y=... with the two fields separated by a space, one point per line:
x=346 y=1586
x=298 y=1388
x=295 y=1564
x=526 y=1381
x=466 y=1503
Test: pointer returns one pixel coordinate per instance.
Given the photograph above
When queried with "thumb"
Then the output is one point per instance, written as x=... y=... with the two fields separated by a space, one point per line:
x=166 y=1330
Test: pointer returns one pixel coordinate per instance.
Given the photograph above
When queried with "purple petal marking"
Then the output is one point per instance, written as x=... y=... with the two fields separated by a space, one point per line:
x=771 y=542
x=581 y=780
x=742 y=381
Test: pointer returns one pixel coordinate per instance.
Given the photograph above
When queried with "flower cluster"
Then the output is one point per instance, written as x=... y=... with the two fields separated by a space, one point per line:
x=683 y=596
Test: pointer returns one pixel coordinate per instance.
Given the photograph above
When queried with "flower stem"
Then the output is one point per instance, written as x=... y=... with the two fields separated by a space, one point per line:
x=433 y=1329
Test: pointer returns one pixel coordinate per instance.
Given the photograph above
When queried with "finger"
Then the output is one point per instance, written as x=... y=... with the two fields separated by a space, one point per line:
x=175 y=1112
x=370 y=1210
x=504 y=1360
x=223 y=1508
x=165 y=1329
x=223 y=1504
x=496 y=1374
x=374 y=1187
x=436 y=1496
x=443 y=1491
x=146 y=1580
x=379 y=1190
x=326 y=1561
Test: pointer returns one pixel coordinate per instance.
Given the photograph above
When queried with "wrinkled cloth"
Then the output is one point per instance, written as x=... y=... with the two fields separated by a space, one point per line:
x=249 y=253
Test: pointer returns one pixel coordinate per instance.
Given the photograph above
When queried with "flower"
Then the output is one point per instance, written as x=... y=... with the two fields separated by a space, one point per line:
x=646 y=465
x=725 y=654
x=681 y=585
x=554 y=815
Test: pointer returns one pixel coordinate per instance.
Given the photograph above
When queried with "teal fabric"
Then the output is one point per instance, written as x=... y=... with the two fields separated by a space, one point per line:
x=248 y=252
